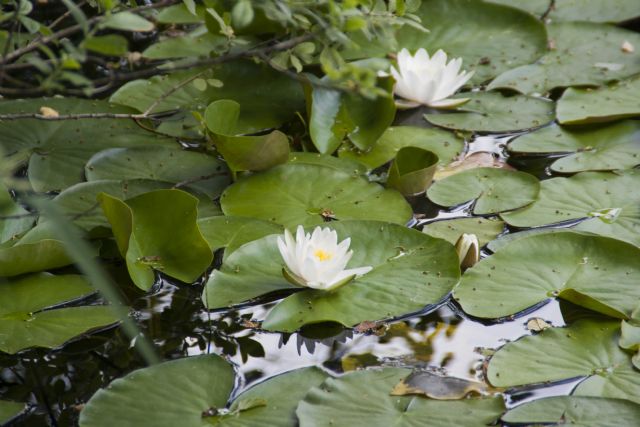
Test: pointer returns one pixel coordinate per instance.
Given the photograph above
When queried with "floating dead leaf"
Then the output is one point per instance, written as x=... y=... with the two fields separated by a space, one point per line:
x=627 y=47
x=49 y=112
x=250 y=324
x=437 y=386
x=471 y=161
x=537 y=324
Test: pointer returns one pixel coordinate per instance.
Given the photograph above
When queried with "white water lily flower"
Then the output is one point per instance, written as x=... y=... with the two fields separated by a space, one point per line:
x=317 y=260
x=428 y=81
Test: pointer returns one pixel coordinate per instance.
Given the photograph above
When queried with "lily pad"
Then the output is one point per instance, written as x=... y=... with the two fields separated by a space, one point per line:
x=59 y=149
x=410 y=271
x=599 y=273
x=298 y=194
x=341 y=163
x=588 y=348
x=30 y=319
x=231 y=232
x=492 y=112
x=495 y=190
x=194 y=170
x=609 y=200
x=33 y=257
x=595 y=10
x=534 y=7
x=575 y=411
x=577 y=106
x=436 y=386
x=362 y=399
x=178 y=392
x=10 y=410
x=199 y=388
x=158 y=231
x=442 y=143
x=412 y=170
x=451 y=229
x=608 y=147
x=271 y=99
x=581 y=54
x=490 y=38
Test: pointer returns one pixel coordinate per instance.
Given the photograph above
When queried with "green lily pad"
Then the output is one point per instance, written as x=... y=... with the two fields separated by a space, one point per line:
x=33 y=257
x=630 y=336
x=412 y=170
x=608 y=147
x=588 y=348
x=199 y=388
x=29 y=318
x=595 y=10
x=10 y=410
x=490 y=38
x=442 y=143
x=341 y=163
x=10 y=228
x=271 y=99
x=582 y=54
x=577 y=106
x=178 y=392
x=495 y=190
x=609 y=200
x=335 y=116
x=298 y=194
x=194 y=170
x=451 y=229
x=492 y=112
x=599 y=273
x=575 y=411
x=362 y=399
x=410 y=270
x=231 y=232
x=158 y=231
x=59 y=149
x=243 y=153
x=534 y=7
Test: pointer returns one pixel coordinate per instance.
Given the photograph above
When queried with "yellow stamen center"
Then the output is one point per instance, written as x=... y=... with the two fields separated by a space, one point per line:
x=322 y=255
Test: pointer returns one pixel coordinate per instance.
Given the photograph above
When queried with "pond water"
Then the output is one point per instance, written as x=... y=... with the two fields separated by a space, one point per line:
x=441 y=338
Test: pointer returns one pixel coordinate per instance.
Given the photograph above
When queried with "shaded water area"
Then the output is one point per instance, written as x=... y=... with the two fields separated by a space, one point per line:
x=440 y=338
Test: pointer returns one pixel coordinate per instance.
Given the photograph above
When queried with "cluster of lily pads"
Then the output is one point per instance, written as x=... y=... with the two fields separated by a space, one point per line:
x=165 y=196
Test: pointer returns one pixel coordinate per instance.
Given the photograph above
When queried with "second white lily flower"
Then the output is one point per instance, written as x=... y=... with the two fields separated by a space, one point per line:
x=428 y=81
x=317 y=260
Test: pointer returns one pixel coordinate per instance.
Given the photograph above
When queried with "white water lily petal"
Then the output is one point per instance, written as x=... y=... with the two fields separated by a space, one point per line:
x=425 y=80
x=317 y=258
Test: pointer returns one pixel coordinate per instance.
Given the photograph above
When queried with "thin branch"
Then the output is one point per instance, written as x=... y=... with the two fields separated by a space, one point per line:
x=171 y=91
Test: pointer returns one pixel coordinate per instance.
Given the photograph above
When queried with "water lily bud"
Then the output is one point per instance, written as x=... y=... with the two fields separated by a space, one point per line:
x=428 y=81
x=468 y=250
x=317 y=260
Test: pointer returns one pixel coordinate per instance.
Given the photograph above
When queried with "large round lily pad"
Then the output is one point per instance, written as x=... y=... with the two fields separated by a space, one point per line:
x=442 y=143
x=490 y=38
x=173 y=393
x=190 y=169
x=33 y=257
x=231 y=232
x=588 y=348
x=575 y=411
x=594 y=10
x=194 y=391
x=170 y=242
x=298 y=194
x=596 y=272
x=58 y=150
x=410 y=271
x=610 y=201
x=12 y=223
x=492 y=112
x=581 y=53
x=535 y=7
x=608 y=147
x=451 y=229
x=362 y=399
x=495 y=190
x=578 y=106
x=27 y=318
